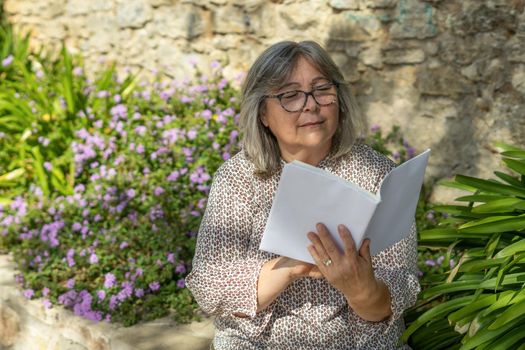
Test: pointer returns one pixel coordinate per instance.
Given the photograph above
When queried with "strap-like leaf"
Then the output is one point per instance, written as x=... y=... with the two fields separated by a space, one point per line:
x=512 y=313
x=495 y=224
x=490 y=186
x=516 y=165
x=512 y=249
x=504 y=205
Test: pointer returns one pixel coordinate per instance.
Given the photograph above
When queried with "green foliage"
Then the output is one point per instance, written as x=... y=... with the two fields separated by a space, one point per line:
x=479 y=303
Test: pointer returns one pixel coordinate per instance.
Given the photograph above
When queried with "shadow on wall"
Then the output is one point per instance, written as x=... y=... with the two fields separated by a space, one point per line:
x=461 y=60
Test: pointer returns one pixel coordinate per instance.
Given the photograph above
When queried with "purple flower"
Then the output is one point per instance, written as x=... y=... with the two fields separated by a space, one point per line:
x=440 y=259
x=206 y=114
x=101 y=295
x=7 y=61
x=70 y=283
x=113 y=301
x=411 y=152
x=140 y=149
x=430 y=262
x=375 y=128
x=77 y=226
x=396 y=155
x=158 y=191
x=173 y=176
x=109 y=280
x=123 y=245
x=180 y=268
x=452 y=263
x=126 y=292
x=139 y=292
x=131 y=193
x=48 y=166
x=226 y=156
x=154 y=286
x=171 y=258
x=93 y=258
x=191 y=134
x=45 y=291
x=47 y=304
x=181 y=283
x=28 y=293
x=77 y=71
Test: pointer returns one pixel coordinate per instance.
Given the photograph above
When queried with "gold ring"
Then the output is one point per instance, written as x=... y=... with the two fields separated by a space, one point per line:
x=327 y=262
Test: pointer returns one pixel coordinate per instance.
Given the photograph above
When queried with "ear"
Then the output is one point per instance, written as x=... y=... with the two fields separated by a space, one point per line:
x=264 y=119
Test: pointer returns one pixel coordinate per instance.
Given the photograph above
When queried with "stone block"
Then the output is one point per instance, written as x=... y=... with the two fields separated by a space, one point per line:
x=77 y=8
x=443 y=81
x=230 y=19
x=179 y=21
x=414 y=19
x=484 y=19
x=9 y=325
x=403 y=56
x=372 y=57
x=518 y=79
x=345 y=4
x=294 y=15
x=18 y=7
x=133 y=13
x=380 y=4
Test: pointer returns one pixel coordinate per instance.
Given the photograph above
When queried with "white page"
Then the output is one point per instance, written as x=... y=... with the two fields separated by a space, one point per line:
x=399 y=195
x=305 y=197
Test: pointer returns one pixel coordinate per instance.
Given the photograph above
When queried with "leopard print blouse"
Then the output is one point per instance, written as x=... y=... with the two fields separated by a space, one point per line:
x=309 y=313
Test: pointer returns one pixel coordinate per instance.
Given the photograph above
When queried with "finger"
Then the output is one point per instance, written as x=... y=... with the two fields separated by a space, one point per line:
x=315 y=273
x=316 y=242
x=328 y=242
x=348 y=240
x=315 y=255
x=364 y=251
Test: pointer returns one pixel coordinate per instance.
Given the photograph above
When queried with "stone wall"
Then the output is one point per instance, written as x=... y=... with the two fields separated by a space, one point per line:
x=27 y=324
x=450 y=72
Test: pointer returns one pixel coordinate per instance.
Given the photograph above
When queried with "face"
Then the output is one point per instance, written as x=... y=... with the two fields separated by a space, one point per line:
x=308 y=131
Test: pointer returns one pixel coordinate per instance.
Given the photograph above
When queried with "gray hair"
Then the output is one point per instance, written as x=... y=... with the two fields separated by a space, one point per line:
x=272 y=68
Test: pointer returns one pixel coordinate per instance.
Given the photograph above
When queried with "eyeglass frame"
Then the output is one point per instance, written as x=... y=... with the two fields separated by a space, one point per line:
x=306 y=94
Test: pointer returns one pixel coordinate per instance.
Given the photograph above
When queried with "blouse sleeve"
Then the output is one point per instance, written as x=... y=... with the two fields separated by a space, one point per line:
x=225 y=271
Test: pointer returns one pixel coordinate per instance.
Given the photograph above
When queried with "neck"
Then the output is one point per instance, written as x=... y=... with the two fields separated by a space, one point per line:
x=305 y=155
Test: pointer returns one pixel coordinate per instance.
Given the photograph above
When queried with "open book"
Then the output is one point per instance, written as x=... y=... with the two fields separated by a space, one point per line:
x=307 y=195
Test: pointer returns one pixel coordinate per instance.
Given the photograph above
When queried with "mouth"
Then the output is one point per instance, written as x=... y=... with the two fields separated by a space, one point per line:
x=314 y=123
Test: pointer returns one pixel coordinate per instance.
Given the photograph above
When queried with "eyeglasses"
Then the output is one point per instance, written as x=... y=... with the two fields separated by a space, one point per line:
x=295 y=101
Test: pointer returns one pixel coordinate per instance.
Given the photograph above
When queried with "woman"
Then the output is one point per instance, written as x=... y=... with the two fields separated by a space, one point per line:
x=296 y=105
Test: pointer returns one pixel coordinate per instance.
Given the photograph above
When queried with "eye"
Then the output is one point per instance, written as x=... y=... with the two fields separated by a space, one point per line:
x=289 y=94
x=324 y=87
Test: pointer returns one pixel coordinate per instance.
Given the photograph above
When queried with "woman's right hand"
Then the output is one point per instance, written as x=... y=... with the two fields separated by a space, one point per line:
x=297 y=269
x=277 y=274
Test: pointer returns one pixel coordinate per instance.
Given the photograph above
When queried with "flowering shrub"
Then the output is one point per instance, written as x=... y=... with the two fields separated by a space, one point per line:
x=118 y=246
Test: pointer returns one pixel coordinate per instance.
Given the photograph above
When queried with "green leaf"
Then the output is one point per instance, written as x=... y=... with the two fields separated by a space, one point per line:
x=455 y=184
x=511 y=180
x=482 y=302
x=509 y=339
x=482 y=198
x=512 y=249
x=485 y=335
x=490 y=186
x=515 y=311
x=436 y=312
x=516 y=165
x=12 y=175
x=495 y=224
x=500 y=206
x=513 y=154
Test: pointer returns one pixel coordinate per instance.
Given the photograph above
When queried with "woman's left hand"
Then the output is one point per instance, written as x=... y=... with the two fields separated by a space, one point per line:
x=349 y=271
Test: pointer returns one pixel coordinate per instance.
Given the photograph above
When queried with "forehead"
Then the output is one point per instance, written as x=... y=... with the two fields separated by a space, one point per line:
x=304 y=69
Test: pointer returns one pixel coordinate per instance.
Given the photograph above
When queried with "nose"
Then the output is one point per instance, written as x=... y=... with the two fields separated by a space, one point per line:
x=310 y=103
